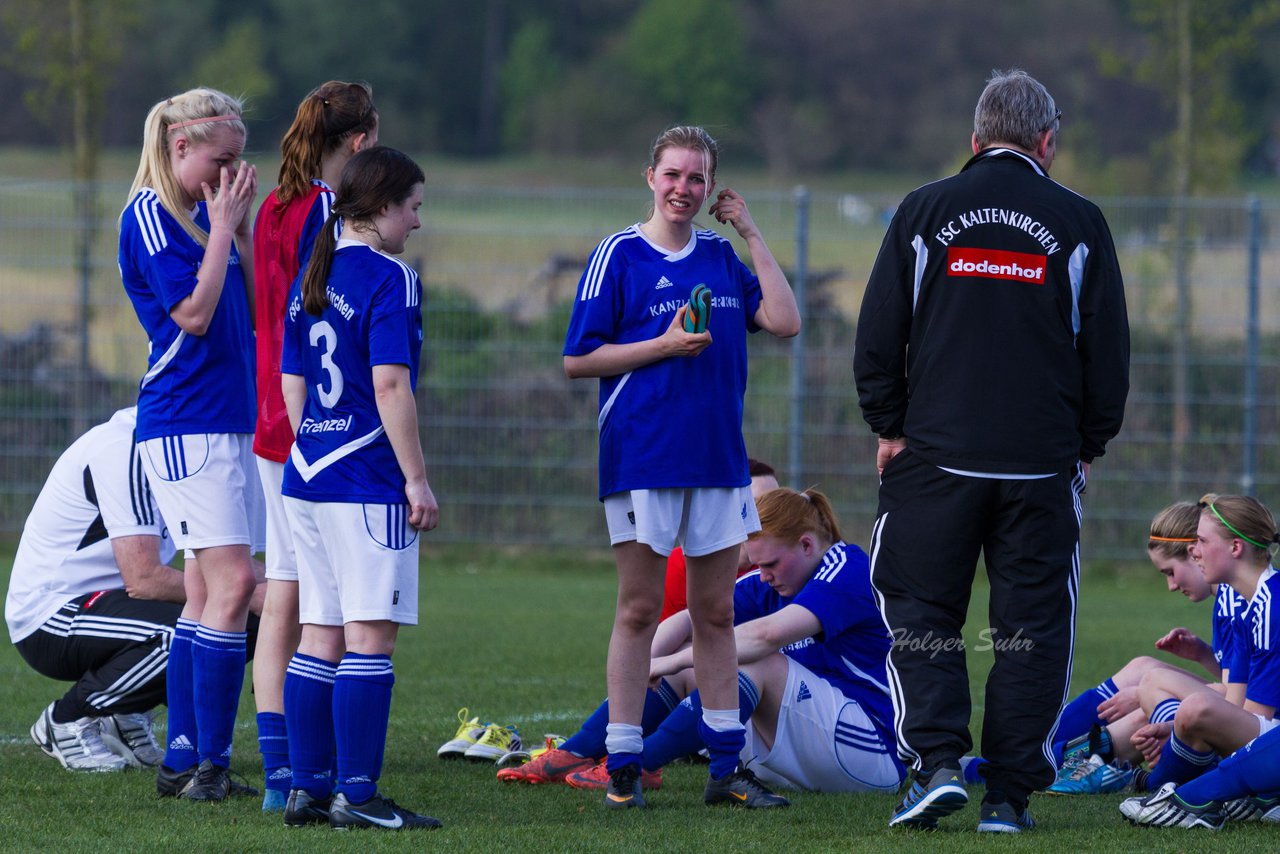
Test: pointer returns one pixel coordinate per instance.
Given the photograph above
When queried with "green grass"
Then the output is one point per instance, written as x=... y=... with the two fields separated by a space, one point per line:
x=519 y=637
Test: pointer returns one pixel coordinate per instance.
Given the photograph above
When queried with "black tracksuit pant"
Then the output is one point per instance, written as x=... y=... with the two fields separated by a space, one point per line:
x=930 y=530
x=114 y=648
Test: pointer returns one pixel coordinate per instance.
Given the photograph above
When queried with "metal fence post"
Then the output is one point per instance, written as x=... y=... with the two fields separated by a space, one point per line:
x=1248 y=479
x=795 y=438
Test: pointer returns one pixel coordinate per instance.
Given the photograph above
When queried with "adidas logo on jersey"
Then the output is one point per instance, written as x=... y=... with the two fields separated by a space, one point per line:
x=803 y=694
x=664 y=282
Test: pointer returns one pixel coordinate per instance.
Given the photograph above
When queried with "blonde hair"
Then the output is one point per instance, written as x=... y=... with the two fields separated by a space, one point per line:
x=195 y=113
x=787 y=515
x=1173 y=530
x=692 y=138
x=1244 y=518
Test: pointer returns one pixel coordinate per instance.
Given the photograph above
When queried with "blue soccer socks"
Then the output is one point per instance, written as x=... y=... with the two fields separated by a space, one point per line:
x=180 y=751
x=308 y=709
x=273 y=744
x=218 y=660
x=590 y=738
x=361 y=710
x=1179 y=763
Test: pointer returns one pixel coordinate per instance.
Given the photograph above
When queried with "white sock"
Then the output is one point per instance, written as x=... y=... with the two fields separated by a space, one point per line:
x=623 y=738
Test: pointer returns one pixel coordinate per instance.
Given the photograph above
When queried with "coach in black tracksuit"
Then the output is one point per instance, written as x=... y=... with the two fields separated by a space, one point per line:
x=992 y=360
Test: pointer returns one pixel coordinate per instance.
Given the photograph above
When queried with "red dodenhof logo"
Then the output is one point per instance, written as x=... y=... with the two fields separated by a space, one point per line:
x=996 y=264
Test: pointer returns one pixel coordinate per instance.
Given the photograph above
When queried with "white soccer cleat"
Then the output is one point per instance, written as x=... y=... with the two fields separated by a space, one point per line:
x=1166 y=809
x=77 y=745
x=133 y=738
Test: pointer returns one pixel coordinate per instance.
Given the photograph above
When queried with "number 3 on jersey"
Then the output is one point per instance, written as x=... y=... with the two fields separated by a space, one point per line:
x=325 y=337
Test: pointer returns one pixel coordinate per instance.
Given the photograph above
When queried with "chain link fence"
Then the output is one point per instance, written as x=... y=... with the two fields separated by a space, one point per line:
x=510 y=442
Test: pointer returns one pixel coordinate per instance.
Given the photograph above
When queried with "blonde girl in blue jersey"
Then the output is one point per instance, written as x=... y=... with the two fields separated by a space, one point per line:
x=186 y=261
x=355 y=491
x=673 y=467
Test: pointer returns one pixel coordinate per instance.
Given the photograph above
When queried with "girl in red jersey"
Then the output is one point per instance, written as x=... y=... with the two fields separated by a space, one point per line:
x=333 y=122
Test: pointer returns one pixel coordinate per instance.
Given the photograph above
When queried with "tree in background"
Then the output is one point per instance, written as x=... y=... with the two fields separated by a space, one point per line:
x=798 y=85
x=1196 y=46
x=69 y=52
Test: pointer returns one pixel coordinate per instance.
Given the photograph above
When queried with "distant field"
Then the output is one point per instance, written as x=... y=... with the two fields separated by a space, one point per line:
x=512 y=234
x=519 y=637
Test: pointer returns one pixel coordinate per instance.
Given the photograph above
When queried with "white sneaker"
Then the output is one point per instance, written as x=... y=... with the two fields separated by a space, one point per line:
x=497 y=741
x=470 y=730
x=132 y=738
x=77 y=745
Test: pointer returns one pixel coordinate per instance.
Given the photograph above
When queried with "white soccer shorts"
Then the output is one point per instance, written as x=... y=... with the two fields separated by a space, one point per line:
x=206 y=485
x=825 y=742
x=356 y=562
x=703 y=520
x=282 y=565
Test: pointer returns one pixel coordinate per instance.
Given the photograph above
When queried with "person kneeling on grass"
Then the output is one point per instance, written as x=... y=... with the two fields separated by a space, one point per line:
x=811 y=651
x=93 y=600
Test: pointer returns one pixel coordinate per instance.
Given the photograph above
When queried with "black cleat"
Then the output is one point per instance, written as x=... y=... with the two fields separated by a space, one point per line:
x=303 y=809
x=624 y=789
x=170 y=783
x=377 y=812
x=741 y=789
x=210 y=783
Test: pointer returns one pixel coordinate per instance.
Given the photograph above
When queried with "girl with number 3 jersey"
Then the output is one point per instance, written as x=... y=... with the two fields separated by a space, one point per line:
x=356 y=492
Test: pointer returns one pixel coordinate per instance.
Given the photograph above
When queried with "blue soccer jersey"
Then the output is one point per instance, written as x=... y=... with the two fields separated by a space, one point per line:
x=851 y=651
x=1264 y=641
x=676 y=422
x=374 y=317
x=317 y=216
x=1228 y=606
x=194 y=383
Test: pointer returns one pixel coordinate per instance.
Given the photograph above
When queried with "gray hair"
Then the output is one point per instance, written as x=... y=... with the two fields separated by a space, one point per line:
x=1015 y=109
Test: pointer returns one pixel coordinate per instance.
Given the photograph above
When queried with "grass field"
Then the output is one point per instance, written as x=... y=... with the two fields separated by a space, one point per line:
x=519 y=638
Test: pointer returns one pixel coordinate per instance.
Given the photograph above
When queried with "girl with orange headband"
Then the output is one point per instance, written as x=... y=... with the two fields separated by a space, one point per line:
x=1235 y=538
x=186 y=260
x=1094 y=730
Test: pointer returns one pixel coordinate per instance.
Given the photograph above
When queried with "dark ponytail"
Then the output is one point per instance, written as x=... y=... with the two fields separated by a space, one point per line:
x=373 y=180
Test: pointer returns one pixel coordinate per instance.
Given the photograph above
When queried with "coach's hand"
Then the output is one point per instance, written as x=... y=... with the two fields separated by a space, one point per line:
x=886 y=450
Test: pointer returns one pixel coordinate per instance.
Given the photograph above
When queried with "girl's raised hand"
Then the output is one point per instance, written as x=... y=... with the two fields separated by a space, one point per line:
x=1181 y=642
x=732 y=208
x=232 y=205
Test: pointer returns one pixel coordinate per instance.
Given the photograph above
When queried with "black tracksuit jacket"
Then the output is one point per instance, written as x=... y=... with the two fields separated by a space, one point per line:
x=993 y=331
